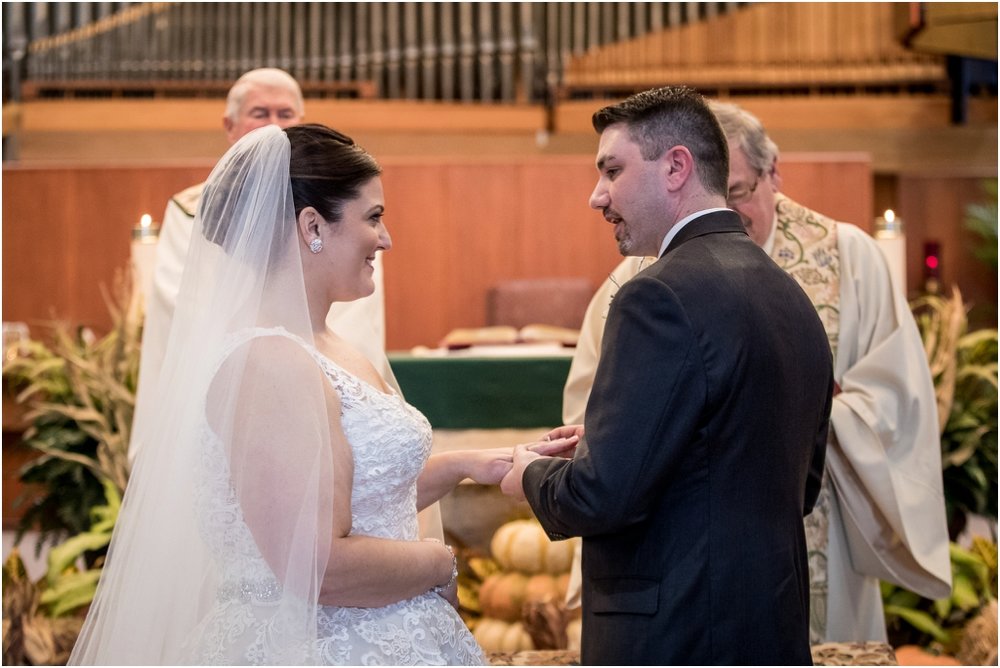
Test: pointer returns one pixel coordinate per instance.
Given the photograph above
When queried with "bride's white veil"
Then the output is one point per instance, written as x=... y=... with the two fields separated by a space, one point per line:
x=237 y=436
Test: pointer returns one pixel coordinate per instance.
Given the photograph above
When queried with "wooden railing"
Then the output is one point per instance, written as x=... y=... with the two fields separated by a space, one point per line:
x=119 y=88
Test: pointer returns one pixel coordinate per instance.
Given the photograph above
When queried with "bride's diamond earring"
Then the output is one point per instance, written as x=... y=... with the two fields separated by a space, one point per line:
x=316 y=245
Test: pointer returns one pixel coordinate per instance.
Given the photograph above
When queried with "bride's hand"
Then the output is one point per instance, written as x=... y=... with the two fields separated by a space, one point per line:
x=450 y=593
x=489 y=466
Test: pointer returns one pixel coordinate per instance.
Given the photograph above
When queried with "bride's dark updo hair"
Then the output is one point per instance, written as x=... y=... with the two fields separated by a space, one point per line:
x=327 y=169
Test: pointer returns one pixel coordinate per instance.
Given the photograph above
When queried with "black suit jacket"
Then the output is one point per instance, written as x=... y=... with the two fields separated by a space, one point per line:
x=705 y=437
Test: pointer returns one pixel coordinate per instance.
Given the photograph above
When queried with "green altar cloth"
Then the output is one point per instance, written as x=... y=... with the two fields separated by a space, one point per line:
x=484 y=392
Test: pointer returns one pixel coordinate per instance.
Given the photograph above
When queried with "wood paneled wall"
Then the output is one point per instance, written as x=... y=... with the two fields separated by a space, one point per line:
x=458 y=226
x=933 y=208
x=67 y=230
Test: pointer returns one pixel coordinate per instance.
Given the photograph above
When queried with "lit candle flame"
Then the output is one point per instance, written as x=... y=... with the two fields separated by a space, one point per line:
x=889 y=215
x=145 y=221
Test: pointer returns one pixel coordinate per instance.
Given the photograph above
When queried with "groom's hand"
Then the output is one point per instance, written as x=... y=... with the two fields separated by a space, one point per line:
x=556 y=446
x=565 y=431
x=511 y=483
x=525 y=454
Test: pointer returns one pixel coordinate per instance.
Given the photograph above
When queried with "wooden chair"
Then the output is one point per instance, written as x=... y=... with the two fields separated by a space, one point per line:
x=548 y=301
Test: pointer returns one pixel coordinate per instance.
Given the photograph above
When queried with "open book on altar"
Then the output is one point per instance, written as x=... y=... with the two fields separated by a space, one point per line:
x=503 y=335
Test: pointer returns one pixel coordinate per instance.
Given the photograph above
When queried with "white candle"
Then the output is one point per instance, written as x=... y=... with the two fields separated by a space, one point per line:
x=144 y=238
x=890 y=238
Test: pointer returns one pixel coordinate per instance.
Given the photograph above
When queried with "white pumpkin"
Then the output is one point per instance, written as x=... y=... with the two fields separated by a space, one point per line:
x=495 y=635
x=522 y=545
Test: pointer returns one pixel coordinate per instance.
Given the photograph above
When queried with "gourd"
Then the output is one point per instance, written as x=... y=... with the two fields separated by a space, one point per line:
x=503 y=595
x=523 y=546
x=912 y=655
x=495 y=635
x=532 y=581
x=544 y=586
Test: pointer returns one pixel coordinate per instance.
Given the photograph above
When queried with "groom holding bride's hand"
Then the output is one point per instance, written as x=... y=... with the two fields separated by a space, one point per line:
x=560 y=442
x=707 y=423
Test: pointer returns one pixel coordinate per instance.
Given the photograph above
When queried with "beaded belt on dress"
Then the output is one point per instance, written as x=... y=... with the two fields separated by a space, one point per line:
x=246 y=590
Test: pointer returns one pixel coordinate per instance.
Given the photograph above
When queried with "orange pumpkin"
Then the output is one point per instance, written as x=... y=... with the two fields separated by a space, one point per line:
x=502 y=595
x=495 y=635
x=545 y=586
x=522 y=545
x=912 y=655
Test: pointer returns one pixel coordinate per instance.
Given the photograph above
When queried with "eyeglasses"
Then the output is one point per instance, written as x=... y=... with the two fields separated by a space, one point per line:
x=741 y=195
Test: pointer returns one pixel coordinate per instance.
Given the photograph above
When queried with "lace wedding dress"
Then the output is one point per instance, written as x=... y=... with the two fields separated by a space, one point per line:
x=390 y=441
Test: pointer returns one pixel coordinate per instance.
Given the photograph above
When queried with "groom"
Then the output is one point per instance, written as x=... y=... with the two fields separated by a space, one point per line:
x=690 y=482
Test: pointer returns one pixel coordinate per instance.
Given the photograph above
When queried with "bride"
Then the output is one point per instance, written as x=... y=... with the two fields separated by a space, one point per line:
x=272 y=517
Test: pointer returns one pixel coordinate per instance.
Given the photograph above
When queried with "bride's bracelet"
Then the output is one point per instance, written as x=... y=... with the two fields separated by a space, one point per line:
x=440 y=589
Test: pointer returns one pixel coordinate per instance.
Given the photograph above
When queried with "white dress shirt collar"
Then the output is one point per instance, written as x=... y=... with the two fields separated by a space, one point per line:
x=684 y=221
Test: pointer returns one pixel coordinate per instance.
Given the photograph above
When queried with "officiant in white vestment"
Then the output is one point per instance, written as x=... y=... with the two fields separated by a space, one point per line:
x=881 y=513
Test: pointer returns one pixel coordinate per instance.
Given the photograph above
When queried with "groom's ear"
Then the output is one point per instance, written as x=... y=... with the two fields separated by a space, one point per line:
x=308 y=222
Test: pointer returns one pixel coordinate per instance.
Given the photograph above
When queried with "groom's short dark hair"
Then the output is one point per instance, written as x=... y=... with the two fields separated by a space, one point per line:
x=661 y=118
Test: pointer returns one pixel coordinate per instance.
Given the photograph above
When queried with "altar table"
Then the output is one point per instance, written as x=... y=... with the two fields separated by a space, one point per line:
x=471 y=392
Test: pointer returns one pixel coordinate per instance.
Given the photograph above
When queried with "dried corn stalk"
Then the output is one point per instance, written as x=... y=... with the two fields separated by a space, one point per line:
x=29 y=637
x=942 y=323
x=88 y=382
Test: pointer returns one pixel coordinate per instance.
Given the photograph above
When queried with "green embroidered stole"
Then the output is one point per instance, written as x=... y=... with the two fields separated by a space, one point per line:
x=805 y=246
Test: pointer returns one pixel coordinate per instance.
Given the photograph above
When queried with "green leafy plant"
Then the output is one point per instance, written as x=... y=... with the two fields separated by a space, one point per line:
x=940 y=624
x=39 y=626
x=80 y=394
x=964 y=368
x=969 y=437
x=31 y=638
x=69 y=587
x=982 y=220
